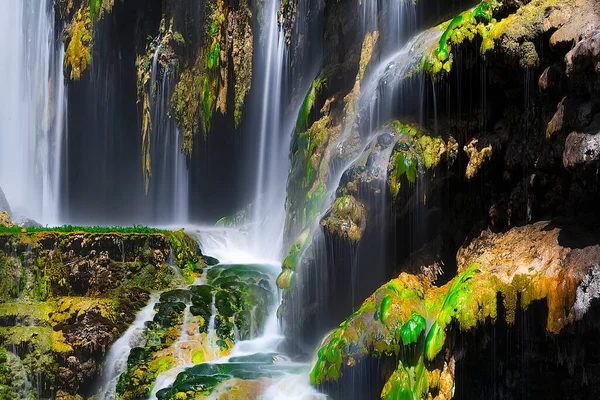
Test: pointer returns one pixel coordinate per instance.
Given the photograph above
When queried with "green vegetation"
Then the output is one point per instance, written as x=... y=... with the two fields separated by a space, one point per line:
x=84 y=229
x=308 y=104
x=78 y=52
x=415 y=152
x=409 y=318
x=477 y=21
x=59 y=284
x=203 y=379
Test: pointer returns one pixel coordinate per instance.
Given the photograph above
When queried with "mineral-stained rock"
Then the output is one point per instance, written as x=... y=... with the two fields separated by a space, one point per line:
x=583 y=63
x=582 y=149
x=550 y=78
x=476 y=157
x=411 y=320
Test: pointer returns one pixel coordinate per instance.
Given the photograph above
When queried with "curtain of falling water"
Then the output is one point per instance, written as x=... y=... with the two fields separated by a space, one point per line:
x=169 y=183
x=269 y=213
x=32 y=109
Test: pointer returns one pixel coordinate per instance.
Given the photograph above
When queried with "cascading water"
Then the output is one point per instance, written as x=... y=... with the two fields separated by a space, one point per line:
x=32 y=109
x=334 y=266
x=116 y=358
x=169 y=185
x=269 y=214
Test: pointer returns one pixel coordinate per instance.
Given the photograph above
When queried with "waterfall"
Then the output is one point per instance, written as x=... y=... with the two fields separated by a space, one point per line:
x=116 y=358
x=269 y=214
x=169 y=183
x=32 y=109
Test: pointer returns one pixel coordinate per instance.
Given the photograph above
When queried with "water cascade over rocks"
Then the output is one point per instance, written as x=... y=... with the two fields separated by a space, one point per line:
x=299 y=199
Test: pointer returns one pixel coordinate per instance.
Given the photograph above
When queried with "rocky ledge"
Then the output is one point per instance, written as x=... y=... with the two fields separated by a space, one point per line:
x=412 y=339
x=66 y=294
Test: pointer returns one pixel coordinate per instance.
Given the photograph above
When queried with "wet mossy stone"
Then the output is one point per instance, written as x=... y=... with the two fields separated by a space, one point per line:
x=226 y=302
x=138 y=355
x=210 y=261
x=176 y=295
x=227 y=272
x=203 y=378
x=201 y=293
x=168 y=314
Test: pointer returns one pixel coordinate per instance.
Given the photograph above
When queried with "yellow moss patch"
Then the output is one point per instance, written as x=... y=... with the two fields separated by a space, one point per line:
x=77 y=54
x=476 y=157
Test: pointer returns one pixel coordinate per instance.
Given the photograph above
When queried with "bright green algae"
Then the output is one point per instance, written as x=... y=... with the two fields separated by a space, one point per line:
x=396 y=317
x=476 y=22
x=204 y=378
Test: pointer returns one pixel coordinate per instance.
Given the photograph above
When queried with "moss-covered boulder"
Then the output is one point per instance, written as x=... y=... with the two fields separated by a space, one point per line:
x=198 y=324
x=227 y=378
x=513 y=29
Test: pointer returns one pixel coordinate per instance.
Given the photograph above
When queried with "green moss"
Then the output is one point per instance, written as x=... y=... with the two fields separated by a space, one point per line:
x=407 y=383
x=415 y=152
x=200 y=381
x=412 y=329
x=476 y=22
x=285 y=280
x=241 y=296
x=394 y=317
x=308 y=104
x=84 y=229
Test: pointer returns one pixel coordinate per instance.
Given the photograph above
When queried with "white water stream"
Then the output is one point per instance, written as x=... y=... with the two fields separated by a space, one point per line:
x=116 y=358
x=223 y=244
x=273 y=162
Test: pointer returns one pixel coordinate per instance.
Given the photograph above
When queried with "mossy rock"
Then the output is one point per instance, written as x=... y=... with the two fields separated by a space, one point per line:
x=204 y=378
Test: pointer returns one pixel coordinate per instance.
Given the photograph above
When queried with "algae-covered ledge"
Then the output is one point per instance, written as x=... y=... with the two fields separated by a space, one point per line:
x=67 y=293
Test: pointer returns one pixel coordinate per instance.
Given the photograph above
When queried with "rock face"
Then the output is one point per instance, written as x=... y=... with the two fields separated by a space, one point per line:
x=464 y=211
x=5 y=219
x=67 y=294
x=582 y=149
x=411 y=320
x=4 y=206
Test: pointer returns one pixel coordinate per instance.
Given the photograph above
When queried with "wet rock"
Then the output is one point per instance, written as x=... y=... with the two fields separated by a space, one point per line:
x=426 y=262
x=582 y=149
x=583 y=63
x=347 y=219
x=210 y=261
x=4 y=206
x=551 y=78
x=5 y=219
x=476 y=157
x=554 y=262
x=572 y=21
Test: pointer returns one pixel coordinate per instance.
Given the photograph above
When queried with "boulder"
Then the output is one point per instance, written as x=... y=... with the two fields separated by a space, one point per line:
x=4 y=206
x=582 y=149
x=5 y=219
